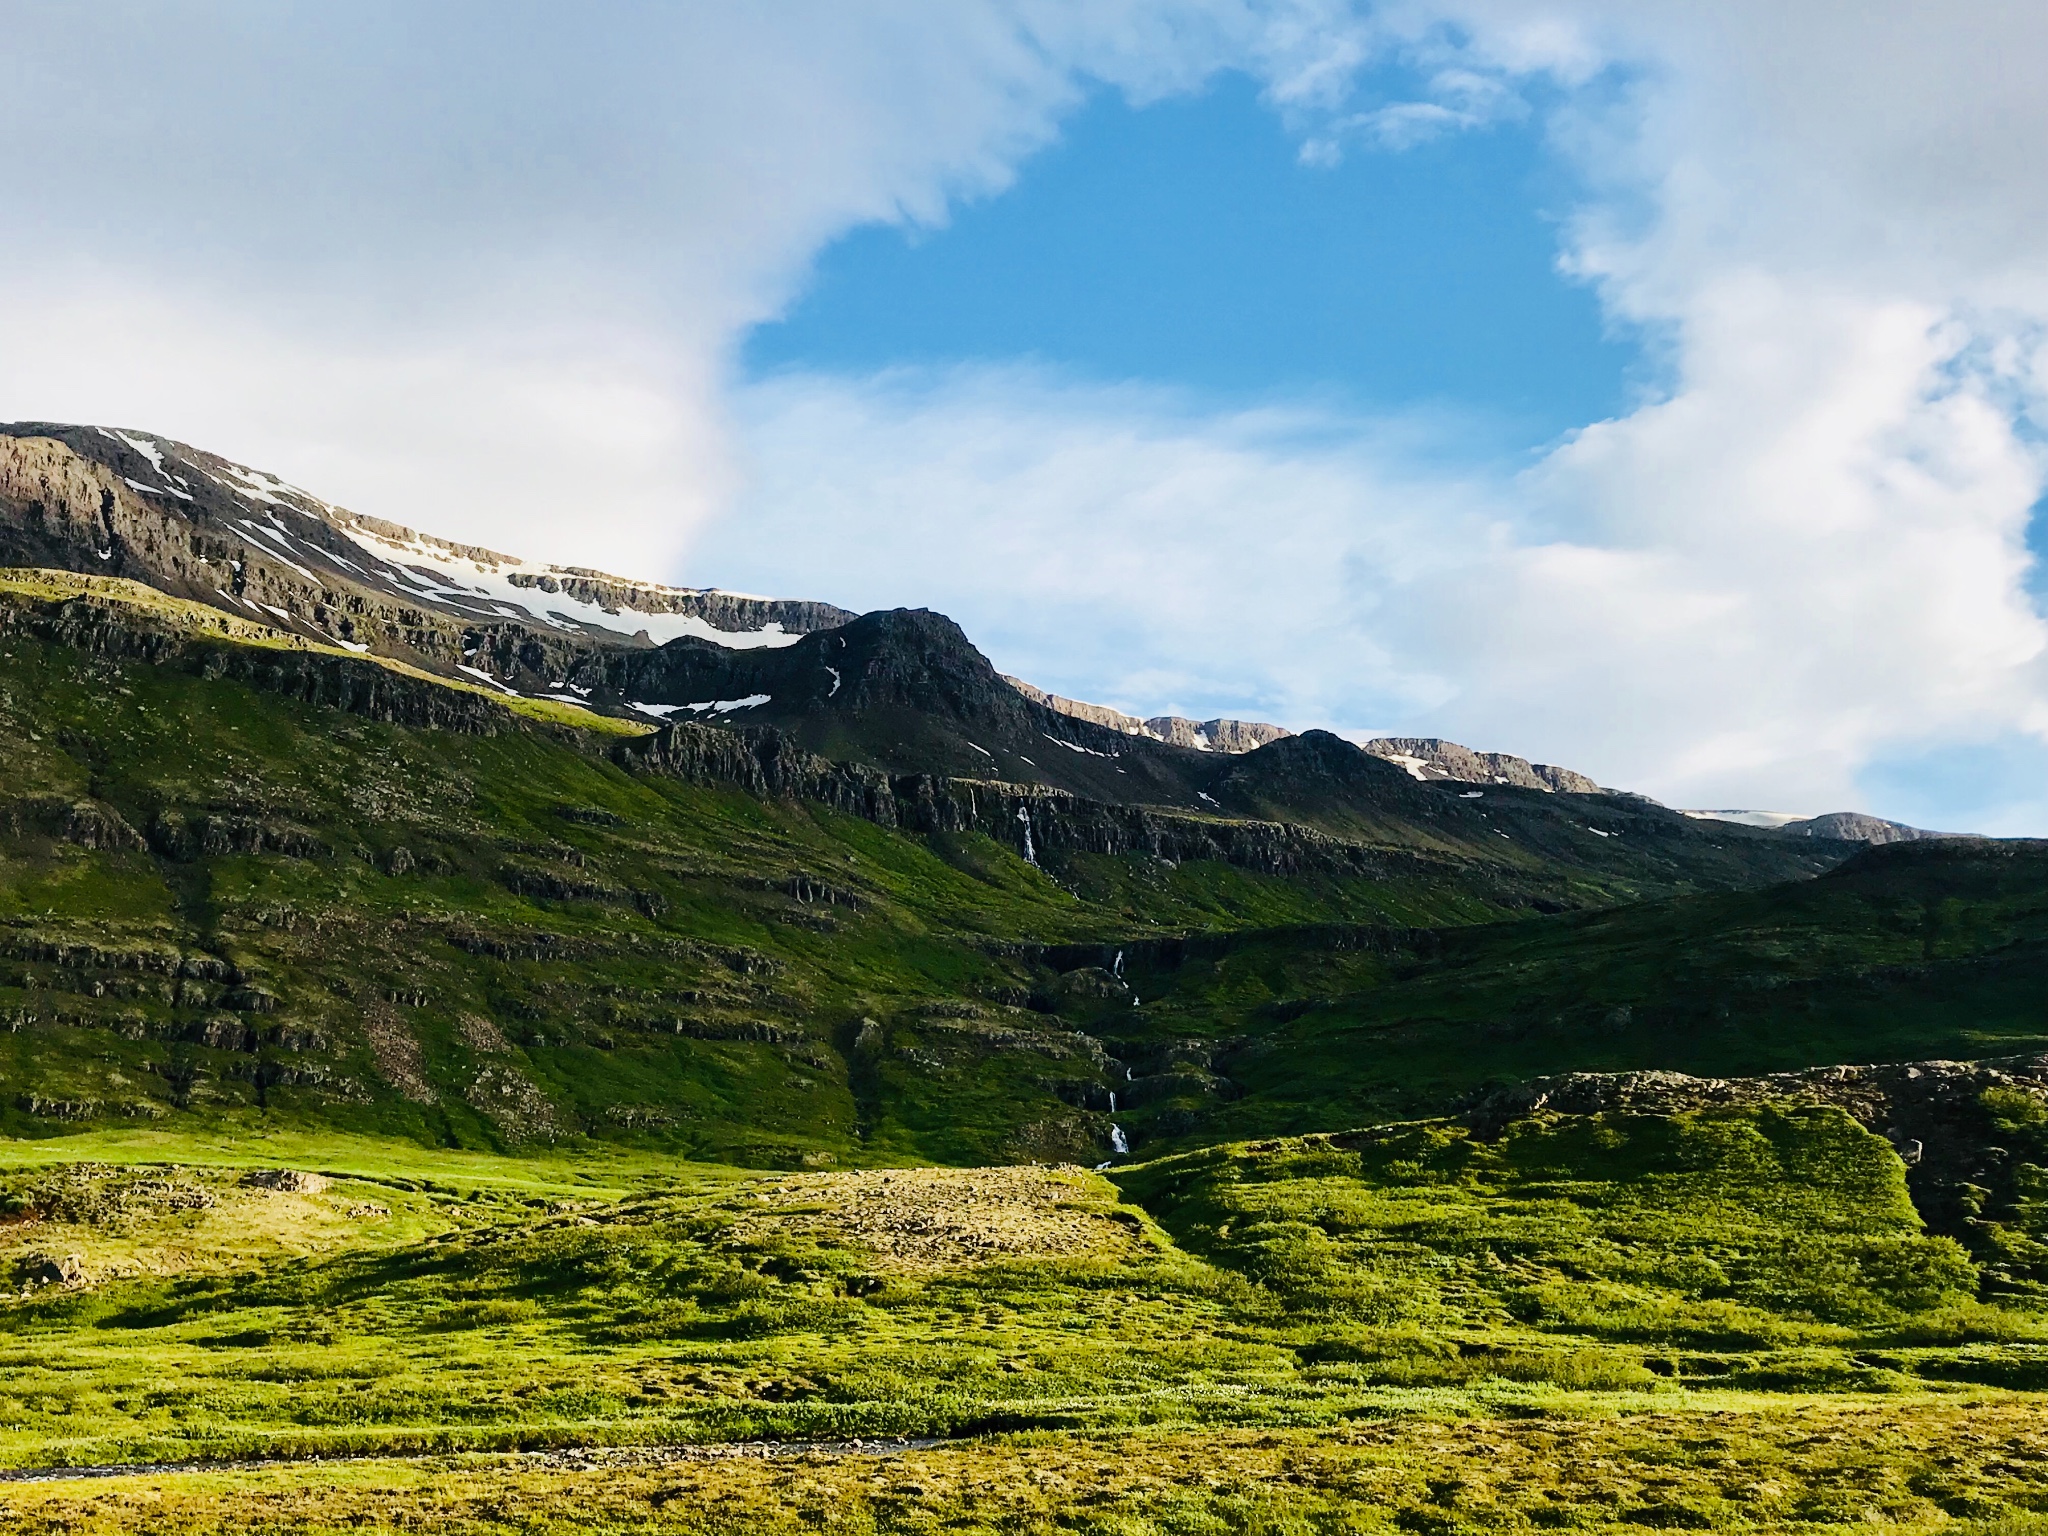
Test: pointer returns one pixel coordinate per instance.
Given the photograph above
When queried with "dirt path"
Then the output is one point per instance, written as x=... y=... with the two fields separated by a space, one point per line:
x=572 y=1459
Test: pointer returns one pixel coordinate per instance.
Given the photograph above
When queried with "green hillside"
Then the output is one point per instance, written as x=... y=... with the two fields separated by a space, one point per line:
x=1715 y=1281
x=1910 y=951
x=217 y=900
x=462 y=1088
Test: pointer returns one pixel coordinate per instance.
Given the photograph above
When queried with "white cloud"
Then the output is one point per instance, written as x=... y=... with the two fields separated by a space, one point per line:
x=1119 y=543
x=482 y=269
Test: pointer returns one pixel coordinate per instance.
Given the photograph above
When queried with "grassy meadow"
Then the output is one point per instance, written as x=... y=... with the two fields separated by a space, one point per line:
x=1717 y=1320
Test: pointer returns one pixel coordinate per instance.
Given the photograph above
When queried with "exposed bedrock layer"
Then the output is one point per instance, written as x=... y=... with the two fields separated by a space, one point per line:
x=195 y=525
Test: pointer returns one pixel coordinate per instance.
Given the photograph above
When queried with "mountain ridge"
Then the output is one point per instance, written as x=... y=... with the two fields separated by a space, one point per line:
x=904 y=691
x=193 y=524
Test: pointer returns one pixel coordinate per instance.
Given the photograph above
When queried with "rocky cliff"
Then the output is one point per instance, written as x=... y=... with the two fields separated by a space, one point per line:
x=197 y=526
x=1969 y=1132
x=1429 y=757
x=1175 y=730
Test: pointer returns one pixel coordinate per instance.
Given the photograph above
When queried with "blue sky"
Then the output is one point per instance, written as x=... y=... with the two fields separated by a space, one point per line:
x=1188 y=243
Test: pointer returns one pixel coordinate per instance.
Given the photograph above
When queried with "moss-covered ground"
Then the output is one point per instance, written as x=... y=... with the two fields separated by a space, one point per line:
x=1722 y=1313
x=1915 y=1468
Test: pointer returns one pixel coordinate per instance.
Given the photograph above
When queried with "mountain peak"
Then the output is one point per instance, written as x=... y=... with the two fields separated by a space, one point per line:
x=1230 y=736
x=1431 y=757
x=120 y=502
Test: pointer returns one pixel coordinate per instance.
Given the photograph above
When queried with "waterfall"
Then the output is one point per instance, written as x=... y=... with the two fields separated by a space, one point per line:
x=1119 y=1143
x=1117 y=969
x=1024 y=815
x=1112 y=1103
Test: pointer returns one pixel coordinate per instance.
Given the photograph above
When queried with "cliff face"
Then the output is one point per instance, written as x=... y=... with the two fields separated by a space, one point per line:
x=197 y=526
x=1035 y=821
x=353 y=685
x=1429 y=757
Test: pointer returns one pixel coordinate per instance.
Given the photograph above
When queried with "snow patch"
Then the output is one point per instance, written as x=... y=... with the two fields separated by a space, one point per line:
x=1770 y=821
x=277 y=536
x=484 y=677
x=155 y=490
x=1090 y=751
x=263 y=488
x=438 y=572
x=715 y=706
x=141 y=445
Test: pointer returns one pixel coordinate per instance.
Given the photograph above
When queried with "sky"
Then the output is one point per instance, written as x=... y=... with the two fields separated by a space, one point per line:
x=1649 y=387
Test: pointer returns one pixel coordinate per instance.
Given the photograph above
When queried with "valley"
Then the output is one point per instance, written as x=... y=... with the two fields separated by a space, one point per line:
x=466 y=1065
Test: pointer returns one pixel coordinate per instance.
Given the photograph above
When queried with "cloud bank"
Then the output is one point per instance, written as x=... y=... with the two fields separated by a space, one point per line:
x=1806 y=556
x=484 y=267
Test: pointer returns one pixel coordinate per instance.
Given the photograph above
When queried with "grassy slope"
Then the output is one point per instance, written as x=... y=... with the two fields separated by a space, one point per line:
x=505 y=940
x=422 y=1303
x=404 y=1017
x=133 y=597
x=1908 y=953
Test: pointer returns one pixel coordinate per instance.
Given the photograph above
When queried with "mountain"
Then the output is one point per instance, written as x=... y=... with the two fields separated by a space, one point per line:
x=1427 y=758
x=1907 y=951
x=543 y=786
x=1203 y=735
x=427 y=1030
x=195 y=525
x=1839 y=826
x=903 y=692
x=1855 y=827
x=244 y=874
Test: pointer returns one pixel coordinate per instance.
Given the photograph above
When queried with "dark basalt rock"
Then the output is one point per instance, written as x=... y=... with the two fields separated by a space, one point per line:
x=1035 y=822
x=355 y=686
x=86 y=823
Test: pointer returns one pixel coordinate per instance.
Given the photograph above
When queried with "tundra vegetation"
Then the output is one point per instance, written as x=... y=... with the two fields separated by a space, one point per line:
x=453 y=1127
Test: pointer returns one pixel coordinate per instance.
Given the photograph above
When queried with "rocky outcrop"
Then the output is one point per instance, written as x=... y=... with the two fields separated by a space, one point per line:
x=1428 y=757
x=764 y=763
x=1876 y=1095
x=356 y=685
x=1035 y=821
x=86 y=823
x=1965 y=1129
x=197 y=526
x=1855 y=827
x=1174 y=730
x=1213 y=735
